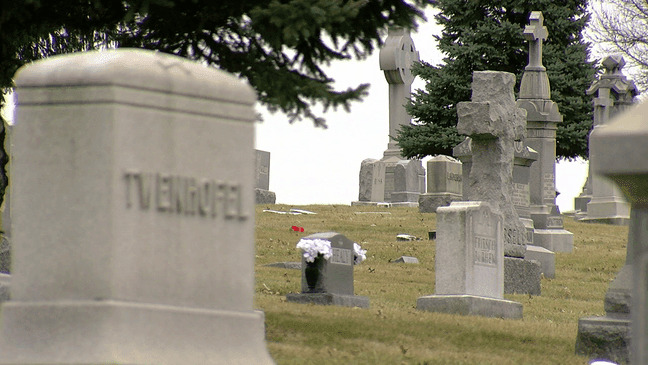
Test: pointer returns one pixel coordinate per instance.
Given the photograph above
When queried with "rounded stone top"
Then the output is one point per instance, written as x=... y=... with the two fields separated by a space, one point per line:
x=135 y=68
x=397 y=56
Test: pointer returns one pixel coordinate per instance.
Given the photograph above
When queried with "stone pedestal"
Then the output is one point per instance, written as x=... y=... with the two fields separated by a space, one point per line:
x=444 y=183
x=469 y=264
x=608 y=337
x=329 y=282
x=123 y=230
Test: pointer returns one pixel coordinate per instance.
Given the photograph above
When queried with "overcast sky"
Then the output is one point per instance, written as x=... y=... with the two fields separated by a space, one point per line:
x=311 y=165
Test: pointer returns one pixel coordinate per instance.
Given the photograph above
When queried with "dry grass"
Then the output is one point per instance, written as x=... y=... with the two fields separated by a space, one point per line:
x=393 y=331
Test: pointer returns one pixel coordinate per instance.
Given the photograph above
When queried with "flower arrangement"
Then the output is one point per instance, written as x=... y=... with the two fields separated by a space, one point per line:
x=314 y=247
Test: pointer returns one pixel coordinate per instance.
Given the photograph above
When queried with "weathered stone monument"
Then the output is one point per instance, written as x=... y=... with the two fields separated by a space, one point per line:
x=262 y=192
x=329 y=281
x=444 y=183
x=601 y=200
x=494 y=124
x=473 y=236
x=618 y=151
x=522 y=277
x=394 y=180
x=542 y=119
x=133 y=225
x=469 y=263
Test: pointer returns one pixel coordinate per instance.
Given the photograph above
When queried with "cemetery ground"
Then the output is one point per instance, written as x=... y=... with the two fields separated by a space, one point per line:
x=392 y=331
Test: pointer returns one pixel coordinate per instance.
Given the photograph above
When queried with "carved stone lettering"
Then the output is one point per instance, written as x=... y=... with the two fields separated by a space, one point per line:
x=184 y=195
x=485 y=251
x=342 y=256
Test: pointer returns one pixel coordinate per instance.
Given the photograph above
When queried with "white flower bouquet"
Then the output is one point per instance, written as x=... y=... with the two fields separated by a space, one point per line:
x=314 y=247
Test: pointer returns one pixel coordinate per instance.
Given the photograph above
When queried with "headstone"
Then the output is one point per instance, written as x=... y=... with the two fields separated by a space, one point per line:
x=122 y=229
x=520 y=276
x=388 y=182
x=330 y=282
x=618 y=152
x=372 y=181
x=444 y=183
x=614 y=93
x=262 y=192
x=409 y=181
x=406 y=260
x=494 y=123
x=542 y=119
x=469 y=263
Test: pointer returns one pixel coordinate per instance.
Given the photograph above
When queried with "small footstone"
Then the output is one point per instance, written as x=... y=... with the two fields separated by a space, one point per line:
x=406 y=260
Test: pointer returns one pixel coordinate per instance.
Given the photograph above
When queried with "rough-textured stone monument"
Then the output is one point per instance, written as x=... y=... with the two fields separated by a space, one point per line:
x=262 y=192
x=542 y=119
x=618 y=152
x=444 y=183
x=494 y=124
x=396 y=58
x=150 y=257
x=330 y=282
x=520 y=277
x=613 y=94
x=469 y=263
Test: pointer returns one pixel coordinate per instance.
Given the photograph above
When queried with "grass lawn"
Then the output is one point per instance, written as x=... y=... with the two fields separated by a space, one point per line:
x=392 y=331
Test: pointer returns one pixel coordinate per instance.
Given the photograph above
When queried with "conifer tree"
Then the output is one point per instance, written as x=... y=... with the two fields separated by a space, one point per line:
x=481 y=35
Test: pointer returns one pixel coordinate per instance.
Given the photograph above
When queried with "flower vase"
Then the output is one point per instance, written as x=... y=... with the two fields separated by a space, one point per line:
x=312 y=272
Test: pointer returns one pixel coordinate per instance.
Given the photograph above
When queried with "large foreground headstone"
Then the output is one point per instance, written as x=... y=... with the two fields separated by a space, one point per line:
x=542 y=120
x=469 y=263
x=132 y=204
x=329 y=281
x=619 y=152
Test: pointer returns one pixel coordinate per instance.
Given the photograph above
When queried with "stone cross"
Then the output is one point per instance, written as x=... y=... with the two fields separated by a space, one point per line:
x=396 y=59
x=494 y=123
x=535 y=33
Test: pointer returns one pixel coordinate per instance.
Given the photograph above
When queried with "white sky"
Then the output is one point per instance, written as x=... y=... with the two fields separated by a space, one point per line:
x=311 y=165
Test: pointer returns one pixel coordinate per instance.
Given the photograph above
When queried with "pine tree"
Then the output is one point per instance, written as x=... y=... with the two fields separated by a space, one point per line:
x=481 y=35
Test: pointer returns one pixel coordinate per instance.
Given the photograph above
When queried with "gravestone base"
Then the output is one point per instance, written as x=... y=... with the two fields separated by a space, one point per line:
x=546 y=258
x=341 y=300
x=405 y=204
x=372 y=204
x=521 y=276
x=116 y=332
x=580 y=203
x=555 y=240
x=405 y=197
x=613 y=221
x=429 y=202
x=604 y=338
x=264 y=196
x=470 y=305
x=291 y=265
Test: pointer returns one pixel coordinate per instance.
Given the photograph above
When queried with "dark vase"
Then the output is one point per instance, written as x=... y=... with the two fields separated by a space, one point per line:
x=312 y=273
